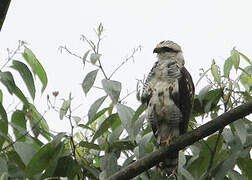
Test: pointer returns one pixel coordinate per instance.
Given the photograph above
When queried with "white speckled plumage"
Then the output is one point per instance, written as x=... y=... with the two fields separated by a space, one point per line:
x=168 y=92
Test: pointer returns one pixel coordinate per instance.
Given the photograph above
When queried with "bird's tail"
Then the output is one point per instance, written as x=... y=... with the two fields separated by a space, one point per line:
x=169 y=165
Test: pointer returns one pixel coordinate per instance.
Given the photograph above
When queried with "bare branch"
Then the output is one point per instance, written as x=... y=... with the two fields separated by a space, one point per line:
x=183 y=141
x=126 y=60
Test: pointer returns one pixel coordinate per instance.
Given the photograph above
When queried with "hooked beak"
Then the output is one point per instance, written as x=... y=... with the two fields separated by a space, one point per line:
x=156 y=50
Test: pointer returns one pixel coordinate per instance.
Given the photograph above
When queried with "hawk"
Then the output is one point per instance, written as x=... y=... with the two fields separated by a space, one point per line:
x=168 y=93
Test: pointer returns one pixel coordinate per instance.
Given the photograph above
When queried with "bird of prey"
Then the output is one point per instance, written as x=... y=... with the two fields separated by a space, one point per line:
x=168 y=93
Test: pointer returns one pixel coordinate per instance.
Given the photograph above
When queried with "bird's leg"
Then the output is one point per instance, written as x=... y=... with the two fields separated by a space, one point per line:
x=167 y=140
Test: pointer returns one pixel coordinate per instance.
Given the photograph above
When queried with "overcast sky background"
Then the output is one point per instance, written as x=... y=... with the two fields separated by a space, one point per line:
x=206 y=30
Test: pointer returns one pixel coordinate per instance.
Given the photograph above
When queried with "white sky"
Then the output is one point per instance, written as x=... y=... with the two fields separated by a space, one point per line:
x=205 y=29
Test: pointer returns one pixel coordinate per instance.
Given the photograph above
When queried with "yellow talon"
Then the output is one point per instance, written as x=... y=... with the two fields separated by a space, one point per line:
x=167 y=141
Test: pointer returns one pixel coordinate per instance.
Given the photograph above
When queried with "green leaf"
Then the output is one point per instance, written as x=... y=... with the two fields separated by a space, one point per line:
x=227 y=67
x=42 y=159
x=26 y=75
x=95 y=172
x=100 y=29
x=216 y=72
x=94 y=108
x=143 y=143
x=107 y=123
x=235 y=56
x=109 y=163
x=66 y=167
x=18 y=118
x=246 y=79
x=245 y=164
x=225 y=166
x=126 y=114
x=85 y=57
x=89 y=145
x=234 y=175
x=37 y=118
x=112 y=88
x=94 y=57
x=25 y=151
x=37 y=68
x=203 y=92
x=116 y=134
x=3 y=124
x=89 y=81
x=85 y=127
x=246 y=58
x=241 y=130
x=1 y=96
x=122 y=145
x=7 y=79
x=209 y=103
x=64 y=107
x=3 y=168
x=138 y=112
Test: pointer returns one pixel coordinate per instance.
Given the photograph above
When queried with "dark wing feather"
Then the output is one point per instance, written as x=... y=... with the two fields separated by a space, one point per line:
x=186 y=97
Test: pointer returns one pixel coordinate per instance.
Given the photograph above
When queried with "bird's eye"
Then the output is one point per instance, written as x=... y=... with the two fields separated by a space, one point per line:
x=167 y=49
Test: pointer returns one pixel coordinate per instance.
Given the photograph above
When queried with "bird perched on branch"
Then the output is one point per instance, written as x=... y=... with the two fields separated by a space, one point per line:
x=168 y=92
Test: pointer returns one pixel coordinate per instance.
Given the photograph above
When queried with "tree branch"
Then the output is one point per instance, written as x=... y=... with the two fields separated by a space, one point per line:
x=4 y=6
x=183 y=141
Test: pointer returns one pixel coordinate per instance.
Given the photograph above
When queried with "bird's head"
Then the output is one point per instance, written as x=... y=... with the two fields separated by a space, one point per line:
x=169 y=50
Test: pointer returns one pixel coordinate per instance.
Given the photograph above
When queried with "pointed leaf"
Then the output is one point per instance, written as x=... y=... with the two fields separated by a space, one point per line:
x=122 y=145
x=44 y=156
x=26 y=75
x=85 y=57
x=241 y=130
x=234 y=175
x=37 y=68
x=89 y=81
x=138 y=112
x=64 y=108
x=3 y=168
x=66 y=167
x=3 y=124
x=245 y=164
x=203 y=92
x=235 y=56
x=246 y=79
x=227 y=67
x=7 y=79
x=112 y=88
x=85 y=127
x=25 y=151
x=126 y=114
x=215 y=72
x=246 y=58
x=38 y=119
x=94 y=57
x=1 y=96
x=107 y=123
x=89 y=145
x=94 y=108
x=18 y=118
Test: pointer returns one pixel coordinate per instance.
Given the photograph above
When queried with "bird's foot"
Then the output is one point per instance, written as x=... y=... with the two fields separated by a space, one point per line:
x=167 y=141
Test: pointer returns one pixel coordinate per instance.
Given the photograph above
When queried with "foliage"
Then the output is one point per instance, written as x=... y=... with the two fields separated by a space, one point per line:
x=114 y=135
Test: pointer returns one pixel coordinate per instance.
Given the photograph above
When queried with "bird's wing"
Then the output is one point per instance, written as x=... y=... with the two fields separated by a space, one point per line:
x=186 y=97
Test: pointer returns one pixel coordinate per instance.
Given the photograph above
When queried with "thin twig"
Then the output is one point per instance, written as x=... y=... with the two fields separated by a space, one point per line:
x=126 y=60
x=10 y=56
